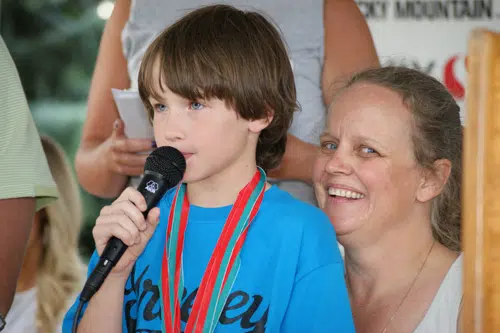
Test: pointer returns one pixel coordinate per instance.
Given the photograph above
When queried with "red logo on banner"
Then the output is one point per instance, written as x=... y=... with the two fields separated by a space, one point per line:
x=450 y=80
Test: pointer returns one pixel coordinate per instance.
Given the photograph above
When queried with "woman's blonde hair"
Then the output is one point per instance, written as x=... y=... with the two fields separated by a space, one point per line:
x=61 y=270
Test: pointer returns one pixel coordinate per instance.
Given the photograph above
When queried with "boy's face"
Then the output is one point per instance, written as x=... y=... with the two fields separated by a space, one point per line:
x=209 y=133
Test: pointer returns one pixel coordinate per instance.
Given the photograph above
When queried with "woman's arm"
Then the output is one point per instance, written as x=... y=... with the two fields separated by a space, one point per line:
x=105 y=157
x=348 y=48
x=16 y=217
x=297 y=162
x=349 y=45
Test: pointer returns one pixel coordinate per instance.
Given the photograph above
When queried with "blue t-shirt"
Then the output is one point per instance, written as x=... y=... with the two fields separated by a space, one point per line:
x=291 y=277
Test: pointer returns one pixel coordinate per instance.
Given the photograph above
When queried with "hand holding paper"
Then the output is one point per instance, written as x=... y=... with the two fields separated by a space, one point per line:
x=126 y=156
x=132 y=138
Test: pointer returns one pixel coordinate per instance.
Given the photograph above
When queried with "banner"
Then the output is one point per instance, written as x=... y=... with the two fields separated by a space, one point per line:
x=430 y=35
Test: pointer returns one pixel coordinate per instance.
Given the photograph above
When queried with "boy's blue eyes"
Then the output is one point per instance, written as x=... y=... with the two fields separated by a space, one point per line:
x=193 y=106
x=197 y=106
x=160 y=107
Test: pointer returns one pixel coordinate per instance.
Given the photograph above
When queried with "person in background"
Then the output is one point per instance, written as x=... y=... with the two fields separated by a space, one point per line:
x=25 y=182
x=388 y=175
x=328 y=40
x=52 y=271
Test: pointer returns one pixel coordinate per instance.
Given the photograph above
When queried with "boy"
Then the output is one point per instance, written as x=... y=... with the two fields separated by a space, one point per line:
x=219 y=87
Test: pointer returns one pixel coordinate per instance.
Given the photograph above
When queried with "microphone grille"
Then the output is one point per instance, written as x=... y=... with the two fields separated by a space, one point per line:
x=167 y=161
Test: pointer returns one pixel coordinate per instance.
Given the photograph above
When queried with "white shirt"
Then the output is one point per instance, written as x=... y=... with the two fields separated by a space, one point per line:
x=442 y=315
x=21 y=317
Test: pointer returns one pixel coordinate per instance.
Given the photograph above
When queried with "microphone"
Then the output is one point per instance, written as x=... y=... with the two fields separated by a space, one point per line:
x=163 y=170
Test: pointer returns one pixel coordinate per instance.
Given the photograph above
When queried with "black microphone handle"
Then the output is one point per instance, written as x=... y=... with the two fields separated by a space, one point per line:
x=153 y=186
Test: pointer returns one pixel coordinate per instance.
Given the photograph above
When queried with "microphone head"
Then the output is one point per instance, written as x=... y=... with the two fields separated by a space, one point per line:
x=168 y=162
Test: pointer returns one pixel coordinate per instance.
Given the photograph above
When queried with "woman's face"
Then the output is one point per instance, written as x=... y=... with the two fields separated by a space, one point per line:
x=366 y=177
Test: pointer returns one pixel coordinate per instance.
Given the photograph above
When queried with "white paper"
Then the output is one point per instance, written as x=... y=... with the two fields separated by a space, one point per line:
x=133 y=114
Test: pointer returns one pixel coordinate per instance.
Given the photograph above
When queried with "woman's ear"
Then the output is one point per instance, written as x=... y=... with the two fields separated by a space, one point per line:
x=434 y=181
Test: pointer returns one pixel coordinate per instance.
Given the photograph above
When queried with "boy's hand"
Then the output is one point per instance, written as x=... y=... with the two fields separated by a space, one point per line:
x=124 y=220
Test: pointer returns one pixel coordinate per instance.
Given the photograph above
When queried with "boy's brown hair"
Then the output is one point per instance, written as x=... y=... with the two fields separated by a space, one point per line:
x=222 y=52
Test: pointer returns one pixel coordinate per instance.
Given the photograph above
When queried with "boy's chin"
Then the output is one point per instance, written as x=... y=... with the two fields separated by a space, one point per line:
x=191 y=178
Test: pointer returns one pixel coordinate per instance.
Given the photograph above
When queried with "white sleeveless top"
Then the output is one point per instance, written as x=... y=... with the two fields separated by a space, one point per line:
x=21 y=317
x=442 y=315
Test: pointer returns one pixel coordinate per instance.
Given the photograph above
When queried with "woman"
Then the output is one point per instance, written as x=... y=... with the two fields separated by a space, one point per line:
x=388 y=175
x=52 y=271
x=328 y=39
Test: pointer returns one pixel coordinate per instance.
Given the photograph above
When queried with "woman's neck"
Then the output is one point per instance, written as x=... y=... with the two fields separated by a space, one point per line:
x=389 y=263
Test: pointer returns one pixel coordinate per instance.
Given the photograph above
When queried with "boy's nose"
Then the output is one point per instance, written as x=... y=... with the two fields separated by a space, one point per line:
x=174 y=127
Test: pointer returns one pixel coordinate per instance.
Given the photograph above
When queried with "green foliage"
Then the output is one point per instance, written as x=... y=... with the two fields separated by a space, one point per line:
x=54 y=44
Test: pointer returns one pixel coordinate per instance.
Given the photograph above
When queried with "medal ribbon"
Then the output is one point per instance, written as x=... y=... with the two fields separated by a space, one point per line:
x=222 y=269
